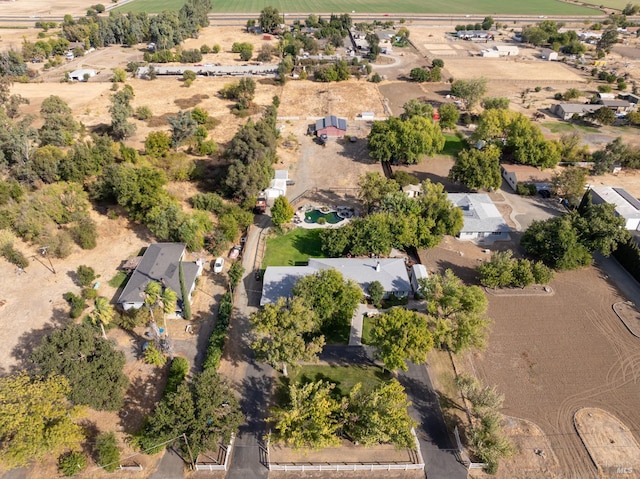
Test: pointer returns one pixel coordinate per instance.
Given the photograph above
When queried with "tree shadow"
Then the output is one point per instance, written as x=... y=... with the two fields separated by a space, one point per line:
x=257 y=400
x=30 y=340
x=140 y=397
x=467 y=274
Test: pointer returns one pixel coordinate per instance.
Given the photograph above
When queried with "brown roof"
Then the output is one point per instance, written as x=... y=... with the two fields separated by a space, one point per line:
x=526 y=173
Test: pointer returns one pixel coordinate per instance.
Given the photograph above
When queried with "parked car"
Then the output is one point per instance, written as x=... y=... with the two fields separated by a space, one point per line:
x=235 y=252
x=218 y=265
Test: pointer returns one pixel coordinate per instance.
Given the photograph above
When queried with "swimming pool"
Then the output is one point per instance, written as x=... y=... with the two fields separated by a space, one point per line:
x=314 y=215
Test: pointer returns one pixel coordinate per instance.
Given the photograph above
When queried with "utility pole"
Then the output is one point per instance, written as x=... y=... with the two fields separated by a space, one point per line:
x=193 y=464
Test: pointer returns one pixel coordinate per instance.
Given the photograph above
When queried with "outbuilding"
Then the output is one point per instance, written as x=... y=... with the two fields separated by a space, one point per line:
x=82 y=75
x=549 y=55
x=331 y=126
x=626 y=205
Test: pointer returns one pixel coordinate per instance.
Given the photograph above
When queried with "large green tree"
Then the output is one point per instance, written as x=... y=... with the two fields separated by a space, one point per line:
x=310 y=419
x=457 y=312
x=599 y=226
x=204 y=409
x=269 y=19
x=91 y=364
x=373 y=187
x=379 y=416
x=478 y=169
x=121 y=111
x=59 y=127
x=281 y=212
x=36 y=419
x=406 y=141
x=286 y=332
x=401 y=335
x=332 y=298
x=470 y=91
x=569 y=183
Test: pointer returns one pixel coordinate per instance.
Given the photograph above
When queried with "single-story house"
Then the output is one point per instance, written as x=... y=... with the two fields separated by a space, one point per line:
x=475 y=35
x=82 y=74
x=279 y=281
x=332 y=126
x=160 y=262
x=549 y=54
x=412 y=191
x=567 y=110
x=507 y=50
x=482 y=220
x=514 y=174
x=627 y=206
x=618 y=106
x=489 y=53
x=278 y=186
x=418 y=272
x=630 y=97
x=386 y=37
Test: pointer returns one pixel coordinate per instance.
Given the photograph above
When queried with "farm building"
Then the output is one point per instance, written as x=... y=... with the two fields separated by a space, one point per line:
x=475 y=35
x=618 y=106
x=278 y=186
x=212 y=70
x=514 y=174
x=368 y=115
x=500 y=51
x=418 y=272
x=332 y=126
x=482 y=220
x=279 y=281
x=566 y=111
x=549 y=55
x=605 y=96
x=160 y=262
x=627 y=206
x=82 y=74
x=630 y=97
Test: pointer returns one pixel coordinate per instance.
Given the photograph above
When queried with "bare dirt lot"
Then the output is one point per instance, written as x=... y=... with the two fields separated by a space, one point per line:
x=553 y=355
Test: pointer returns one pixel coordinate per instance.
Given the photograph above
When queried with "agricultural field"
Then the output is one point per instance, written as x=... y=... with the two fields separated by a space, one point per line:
x=537 y=7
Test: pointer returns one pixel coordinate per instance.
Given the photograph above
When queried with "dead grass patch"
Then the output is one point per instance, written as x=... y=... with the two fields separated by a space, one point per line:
x=195 y=100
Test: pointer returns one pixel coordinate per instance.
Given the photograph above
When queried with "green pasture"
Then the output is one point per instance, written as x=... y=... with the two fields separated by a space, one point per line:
x=489 y=7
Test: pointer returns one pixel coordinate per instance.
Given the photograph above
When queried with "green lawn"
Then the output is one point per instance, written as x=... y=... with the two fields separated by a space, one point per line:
x=452 y=146
x=345 y=377
x=557 y=127
x=492 y=7
x=295 y=247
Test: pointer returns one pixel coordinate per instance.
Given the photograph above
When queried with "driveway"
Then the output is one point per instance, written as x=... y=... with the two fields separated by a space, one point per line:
x=526 y=209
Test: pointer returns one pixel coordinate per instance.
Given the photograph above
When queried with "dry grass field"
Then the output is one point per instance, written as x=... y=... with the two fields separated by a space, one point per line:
x=554 y=355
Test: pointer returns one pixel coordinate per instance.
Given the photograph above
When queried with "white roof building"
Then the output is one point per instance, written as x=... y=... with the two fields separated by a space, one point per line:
x=82 y=74
x=627 y=206
x=482 y=220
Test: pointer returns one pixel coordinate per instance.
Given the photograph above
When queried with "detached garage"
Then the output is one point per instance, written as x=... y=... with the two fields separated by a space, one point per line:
x=332 y=126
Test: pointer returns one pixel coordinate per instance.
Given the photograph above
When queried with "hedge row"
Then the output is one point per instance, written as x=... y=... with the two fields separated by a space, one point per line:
x=628 y=255
x=219 y=335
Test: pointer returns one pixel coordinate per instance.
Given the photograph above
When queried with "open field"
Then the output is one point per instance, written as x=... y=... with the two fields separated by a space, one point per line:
x=548 y=7
x=553 y=355
x=506 y=70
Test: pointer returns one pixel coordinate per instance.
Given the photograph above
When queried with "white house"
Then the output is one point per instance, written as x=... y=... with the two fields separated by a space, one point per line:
x=482 y=220
x=514 y=174
x=279 y=281
x=278 y=186
x=160 y=262
x=627 y=206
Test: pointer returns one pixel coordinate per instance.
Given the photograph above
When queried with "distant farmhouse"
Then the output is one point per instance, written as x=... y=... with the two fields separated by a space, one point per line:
x=482 y=220
x=160 y=262
x=626 y=206
x=279 y=281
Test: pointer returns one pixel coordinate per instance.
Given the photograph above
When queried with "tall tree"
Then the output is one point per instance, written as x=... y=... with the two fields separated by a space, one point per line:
x=91 y=364
x=270 y=19
x=407 y=141
x=182 y=127
x=470 y=91
x=59 y=127
x=121 y=111
x=373 y=187
x=478 y=169
x=103 y=314
x=310 y=418
x=282 y=331
x=458 y=312
x=281 y=211
x=401 y=335
x=449 y=116
x=569 y=183
x=36 y=419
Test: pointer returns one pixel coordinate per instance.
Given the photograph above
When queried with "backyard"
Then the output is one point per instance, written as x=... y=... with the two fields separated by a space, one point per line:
x=293 y=248
x=344 y=377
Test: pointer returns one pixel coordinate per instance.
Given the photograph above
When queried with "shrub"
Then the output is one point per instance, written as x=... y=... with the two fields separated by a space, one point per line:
x=119 y=75
x=219 y=334
x=177 y=374
x=204 y=49
x=107 y=452
x=143 y=113
x=85 y=234
x=86 y=275
x=89 y=293
x=14 y=256
x=72 y=463
x=604 y=88
x=215 y=48
x=208 y=202
x=375 y=78
x=77 y=304
x=526 y=189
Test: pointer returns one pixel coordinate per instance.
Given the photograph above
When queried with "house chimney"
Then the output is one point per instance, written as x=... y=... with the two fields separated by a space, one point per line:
x=378 y=267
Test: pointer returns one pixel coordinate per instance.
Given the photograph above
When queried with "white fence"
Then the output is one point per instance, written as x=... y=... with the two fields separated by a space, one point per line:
x=218 y=466
x=463 y=454
x=344 y=467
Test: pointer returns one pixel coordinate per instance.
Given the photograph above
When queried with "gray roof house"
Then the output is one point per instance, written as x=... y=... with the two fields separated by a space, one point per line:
x=567 y=110
x=160 y=262
x=626 y=205
x=482 y=220
x=279 y=281
x=331 y=126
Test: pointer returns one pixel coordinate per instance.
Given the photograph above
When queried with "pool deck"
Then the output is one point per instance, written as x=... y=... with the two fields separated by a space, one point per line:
x=299 y=218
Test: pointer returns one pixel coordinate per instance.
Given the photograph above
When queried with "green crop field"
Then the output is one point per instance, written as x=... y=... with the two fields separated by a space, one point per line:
x=533 y=7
